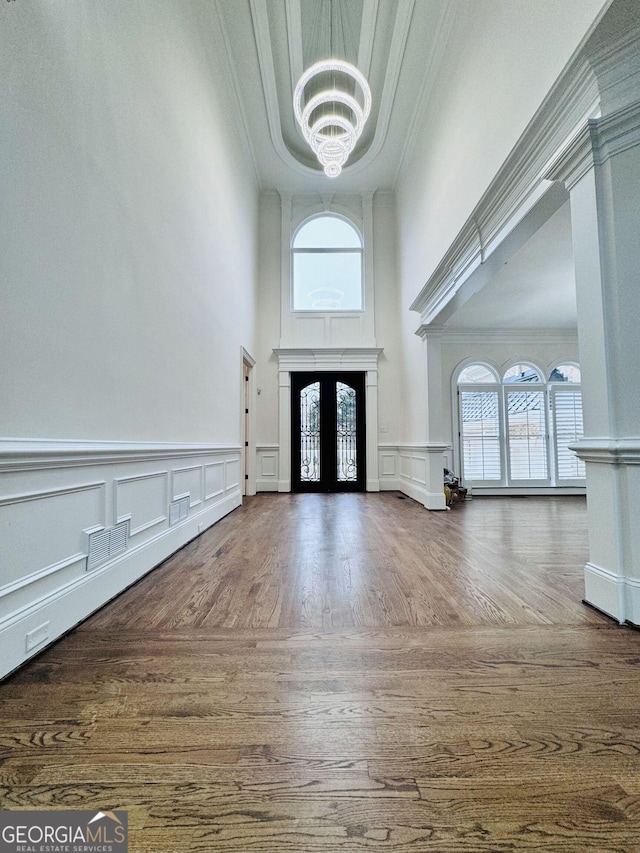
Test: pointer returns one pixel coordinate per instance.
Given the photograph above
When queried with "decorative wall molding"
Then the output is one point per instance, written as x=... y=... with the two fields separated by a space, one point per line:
x=408 y=468
x=20 y=454
x=596 y=142
x=214 y=480
x=183 y=481
x=53 y=493
x=330 y=358
x=515 y=337
x=608 y=451
x=49 y=493
x=616 y=64
x=145 y=495
x=268 y=458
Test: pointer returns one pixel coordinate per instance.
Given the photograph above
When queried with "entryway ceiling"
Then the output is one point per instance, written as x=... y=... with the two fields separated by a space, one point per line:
x=400 y=46
x=397 y=44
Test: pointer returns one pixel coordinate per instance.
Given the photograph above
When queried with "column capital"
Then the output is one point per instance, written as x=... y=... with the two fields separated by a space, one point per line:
x=596 y=141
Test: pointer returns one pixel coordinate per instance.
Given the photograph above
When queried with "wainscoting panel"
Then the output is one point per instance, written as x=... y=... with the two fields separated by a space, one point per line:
x=387 y=465
x=42 y=529
x=231 y=474
x=53 y=494
x=416 y=470
x=267 y=467
x=188 y=481
x=213 y=480
x=143 y=500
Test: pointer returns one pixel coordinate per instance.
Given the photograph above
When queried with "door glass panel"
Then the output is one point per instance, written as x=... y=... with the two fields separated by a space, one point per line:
x=347 y=467
x=310 y=433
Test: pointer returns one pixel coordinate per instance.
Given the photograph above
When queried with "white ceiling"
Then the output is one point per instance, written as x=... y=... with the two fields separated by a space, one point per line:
x=534 y=289
x=400 y=45
x=397 y=44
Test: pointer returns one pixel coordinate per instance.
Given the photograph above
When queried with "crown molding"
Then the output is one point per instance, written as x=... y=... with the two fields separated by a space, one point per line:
x=497 y=336
x=596 y=142
x=616 y=64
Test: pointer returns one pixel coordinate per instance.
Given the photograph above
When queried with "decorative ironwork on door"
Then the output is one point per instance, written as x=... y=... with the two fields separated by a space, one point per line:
x=346 y=433
x=327 y=432
x=310 y=433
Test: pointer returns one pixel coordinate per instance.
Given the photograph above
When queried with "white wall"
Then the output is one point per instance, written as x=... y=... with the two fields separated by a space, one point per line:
x=128 y=252
x=501 y=60
x=381 y=326
x=128 y=224
x=387 y=321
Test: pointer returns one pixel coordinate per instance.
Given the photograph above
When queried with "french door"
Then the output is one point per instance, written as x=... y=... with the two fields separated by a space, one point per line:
x=327 y=432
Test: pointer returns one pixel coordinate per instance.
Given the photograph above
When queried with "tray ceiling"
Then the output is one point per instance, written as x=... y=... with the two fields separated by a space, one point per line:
x=397 y=44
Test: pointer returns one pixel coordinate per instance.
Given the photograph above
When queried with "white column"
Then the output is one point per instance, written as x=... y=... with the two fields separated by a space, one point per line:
x=371 y=415
x=601 y=168
x=368 y=320
x=435 y=445
x=284 y=404
x=286 y=330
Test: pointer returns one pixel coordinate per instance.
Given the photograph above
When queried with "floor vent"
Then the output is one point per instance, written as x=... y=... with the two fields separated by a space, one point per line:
x=179 y=509
x=107 y=543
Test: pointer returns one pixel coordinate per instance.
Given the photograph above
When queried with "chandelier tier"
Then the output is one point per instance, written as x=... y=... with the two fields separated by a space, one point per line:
x=332 y=132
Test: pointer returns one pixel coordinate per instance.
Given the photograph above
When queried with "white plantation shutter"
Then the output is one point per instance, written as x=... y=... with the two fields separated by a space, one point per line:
x=567 y=416
x=480 y=434
x=527 y=435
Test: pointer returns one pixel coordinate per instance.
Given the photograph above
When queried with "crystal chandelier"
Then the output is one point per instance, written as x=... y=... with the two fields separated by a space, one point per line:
x=332 y=134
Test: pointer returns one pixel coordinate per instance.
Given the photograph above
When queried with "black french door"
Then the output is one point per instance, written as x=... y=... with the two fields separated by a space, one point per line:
x=327 y=432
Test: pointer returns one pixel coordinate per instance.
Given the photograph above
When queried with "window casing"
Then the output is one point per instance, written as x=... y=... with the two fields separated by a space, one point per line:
x=327 y=266
x=516 y=431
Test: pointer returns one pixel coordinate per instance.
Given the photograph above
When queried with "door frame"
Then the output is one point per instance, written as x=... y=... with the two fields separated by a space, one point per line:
x=349 y=359
x=328 y=433
x=248 y=422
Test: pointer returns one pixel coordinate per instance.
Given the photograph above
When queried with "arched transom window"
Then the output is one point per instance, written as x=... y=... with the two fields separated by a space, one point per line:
x=327 y=266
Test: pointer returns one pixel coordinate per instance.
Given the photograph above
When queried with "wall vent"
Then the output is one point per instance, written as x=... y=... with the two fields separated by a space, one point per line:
x=179 y=509
x=107 y=543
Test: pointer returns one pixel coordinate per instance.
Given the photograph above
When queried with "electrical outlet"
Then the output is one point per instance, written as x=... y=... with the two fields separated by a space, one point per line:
x=38 y=636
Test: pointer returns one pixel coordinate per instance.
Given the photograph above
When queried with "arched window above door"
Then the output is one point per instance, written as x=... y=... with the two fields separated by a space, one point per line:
x=326 y=265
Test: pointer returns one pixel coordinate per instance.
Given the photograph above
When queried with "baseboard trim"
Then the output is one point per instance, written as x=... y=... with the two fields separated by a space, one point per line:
x=434 y=502
x=615 y=595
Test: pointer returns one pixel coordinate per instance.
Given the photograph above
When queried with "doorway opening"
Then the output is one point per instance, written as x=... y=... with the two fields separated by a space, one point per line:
x=328 y=432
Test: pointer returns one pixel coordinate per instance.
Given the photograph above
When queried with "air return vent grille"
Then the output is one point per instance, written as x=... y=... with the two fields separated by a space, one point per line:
x=107 y=543
x=179 y=509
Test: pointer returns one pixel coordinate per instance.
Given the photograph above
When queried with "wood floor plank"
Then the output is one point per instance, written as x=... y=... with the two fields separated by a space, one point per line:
x=319 y=673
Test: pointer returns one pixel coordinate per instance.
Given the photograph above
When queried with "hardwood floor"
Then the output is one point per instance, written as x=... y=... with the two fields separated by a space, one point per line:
x=346 y=672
